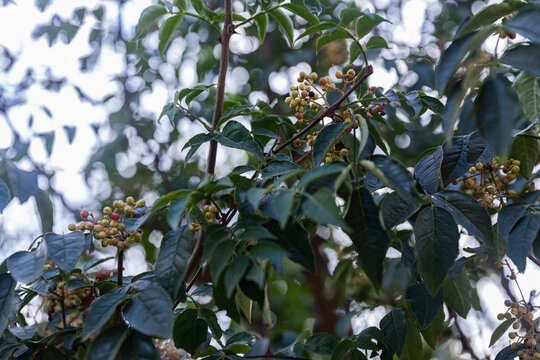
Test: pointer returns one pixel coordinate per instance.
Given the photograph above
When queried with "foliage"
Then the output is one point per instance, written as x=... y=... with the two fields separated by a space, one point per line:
x=321 y=171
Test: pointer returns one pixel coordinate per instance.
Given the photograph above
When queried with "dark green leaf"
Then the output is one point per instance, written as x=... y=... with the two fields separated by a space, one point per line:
x=148 y=16
x=107 y=344
x=521 y=238
x=326 y=139
x=342 y=349
x=428 y=169
x=437 y=240
x=166 y=31
x=526 y=149
x=347 y=15
x=397 y=177
x=235 y=135
x=7 y=288
x=367 y=23
x=319 y=173
x=5 y=195
x=368 y=236
x=423 y=305
x=457 y=294
x=23 y=183
x=262 y=26
x=413 y=343
x=70 y=133
x=508 y=353
x=172 y=260
x=149 y=312
x=376 y=42
x=285 y=23
x=394 y=327
x=234 y=273
x=321 y=343
x=321 y=207
x=46 y=211
x=101 y=310
x=525 y=23
x=220 y=257
x=488 y=15
x=395 y=210
x=139 y=347
x=26 y=266
x=466 y=211
x=211 y=320
x=500 y=330
x=331 y=35
x=497 y=113
x=528 y=92
x=432 y=332
x=189 y=332
x=65 y=249
x=294 y=239
x=524 y=58
x=280 y=167
x=297 y=7
x=282 y=204
x=316 y=29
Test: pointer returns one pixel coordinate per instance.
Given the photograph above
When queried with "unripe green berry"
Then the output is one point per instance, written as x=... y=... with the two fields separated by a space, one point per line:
x=472 y=170
x=107 y=210
x=130 y=200
x=72 y=227
x=511 y=192
x=102 y=234
x=508 y=303
x=344 y=152
x=313 y=76
x=303 y=74
x=500 y=316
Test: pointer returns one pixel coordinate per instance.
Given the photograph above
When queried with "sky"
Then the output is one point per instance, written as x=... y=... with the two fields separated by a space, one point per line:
x=67 y=160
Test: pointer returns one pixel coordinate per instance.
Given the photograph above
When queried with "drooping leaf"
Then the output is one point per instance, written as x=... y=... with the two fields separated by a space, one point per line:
x=394 y=327
x=525 y=23
x=139 y=347
x=376 y=42
x=107 y=344
x=65 y=249
x=316 y=29
x=328 y=136
x=26 y=266
x=167 y=30
x=508 y=353
x=413 y=343
x=457 y=293
x=297 y=7
x=280 y=167
x=509 y=216
x=397 y=177
x=348 y=14
x=46 y=211
x=526 y=149
x=424 y=306
x=368 y=236
x=5 y=195
x=172 y=260
x=488 y=15
x=235 y=135
x=7 y=288
x=523 y=58
x=234 y=273
x=189 y=331
x=331 y=35
x=395 y=210
x=262 y=26
x=521 y=238
x=148 y=16
x=285 y=23
x=428 y=170
x=497 y=113
x=437 y=240
x=282 y=204
x=321 y=207
x=432 y=332
x=220 y=256
x=149 y=312
x=528 y=92
x=23 y=183
x=466 y=211
x=342 y=349
x=294 y=239
x=321 y=343
x=101 y=310
x=367 y=23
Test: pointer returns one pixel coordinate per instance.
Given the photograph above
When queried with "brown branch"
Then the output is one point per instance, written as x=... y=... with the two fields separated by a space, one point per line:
x=119 y=274
x=534 y=260
x=330 y=111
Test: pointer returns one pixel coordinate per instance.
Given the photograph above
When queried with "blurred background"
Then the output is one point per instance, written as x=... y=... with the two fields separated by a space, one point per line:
x=80 y=107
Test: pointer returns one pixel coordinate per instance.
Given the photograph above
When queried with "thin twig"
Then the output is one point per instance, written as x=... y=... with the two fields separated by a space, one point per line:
x=119 y=277
x=534 y=260
x=463 y=339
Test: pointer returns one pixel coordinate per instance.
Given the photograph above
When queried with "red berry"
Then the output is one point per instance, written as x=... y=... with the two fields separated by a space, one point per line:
x=115 y=216
x=511 y=35
x=372 y=88
x=84 y=214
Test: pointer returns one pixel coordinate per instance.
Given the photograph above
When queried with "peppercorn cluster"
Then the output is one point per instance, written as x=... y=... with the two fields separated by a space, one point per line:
x=111 y=229
x=527 y=338
x=210 y=214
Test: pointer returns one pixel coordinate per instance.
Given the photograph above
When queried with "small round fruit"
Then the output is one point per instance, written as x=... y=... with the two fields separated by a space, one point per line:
x=472 y=170
x=115 y=216
x=72 y=227
x=516 y=325
x=339 y=74
x=344 y=152
x=508 y=303
x=479 y=165
x=511 y=192
x=500 y=316
x=130 y=200
x=351 y=73
x=107 y=210
x=313 y=76
x=303 y=75
x=512 y=335
x=84 y=214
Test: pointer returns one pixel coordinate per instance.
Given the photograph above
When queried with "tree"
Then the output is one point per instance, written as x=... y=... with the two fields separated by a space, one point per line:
x=325 y=179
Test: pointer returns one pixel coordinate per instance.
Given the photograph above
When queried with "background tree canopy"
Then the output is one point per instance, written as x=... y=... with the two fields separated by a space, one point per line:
x=270 y=179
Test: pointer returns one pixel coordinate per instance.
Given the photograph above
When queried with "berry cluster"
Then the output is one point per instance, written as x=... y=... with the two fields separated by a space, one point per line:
x=111 y=230
x=523 y=314
x=73 y=302
x=210 y=214
x=303 y=96
x=505 y=33
x=488 y=182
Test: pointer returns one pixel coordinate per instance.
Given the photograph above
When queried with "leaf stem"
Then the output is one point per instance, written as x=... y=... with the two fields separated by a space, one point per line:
x=262 y=12
x=357 y=41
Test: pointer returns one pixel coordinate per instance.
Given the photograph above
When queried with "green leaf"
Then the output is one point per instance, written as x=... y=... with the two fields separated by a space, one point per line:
x=46 y=210
x=413 y=342
x=246 y=306
x=525 y=23
x=101 y=310
x=282 y=204
x=26 y=266
x=234 y=273
x=294 y=239
x=394 y=327
x=488 y=15
x=280 y=167
x=452 y=56
x=524 y=58
x=189 y=332
x=509 y=216
x=368 y=236
x=464 y=152
x=376 y=42
x=5 y=195
x=396 y=210
x=497 y=113
x=262 y=26
x=347 y=15
x=321 y=207
x=467 y=212
x=149 y=16
x=65 y=250
x=525 y=148
x=321 y=343
x=172 y=260
x=521 y=238
x=297 y=7
x=364 y=339
x=317 y=29
x=23 y=183
x=437 y=245
x=139 y=347
x=342 y=349
x=7 y=288
x=457 y=293
x=500 y=330
x=70 y=133
x=107 y=344
x=331 y=35
x=285 y=24
x=220 y=257
x=326 y=139
x=528 y=92
x=397 y=177
x=235 y=135
x=432 y=332
x=313 y=5
x=166 y=31
x=367 y=23
x=211 y=319
x=149 y=312
x=424 y=306
x=318 y=173
x=497 y=247
x=428 y=170
x=354 y=52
